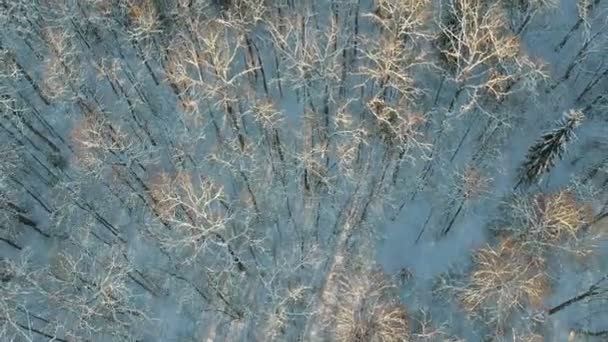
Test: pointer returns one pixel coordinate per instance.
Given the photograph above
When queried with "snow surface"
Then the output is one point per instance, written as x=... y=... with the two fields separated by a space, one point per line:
x=301 y=239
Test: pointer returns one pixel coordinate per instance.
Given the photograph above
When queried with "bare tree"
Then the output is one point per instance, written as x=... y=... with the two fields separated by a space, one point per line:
x=368 y=310
x=391 y=58
x=424 y=329
x=556 y=221
x=62 y=77
x=288 y=293
x=98 y=140
x=193 y=207
x=91 y=296
x=9 y=162
x=504 y=280
x=471 y=184
x=18 y=321
x=481 y=55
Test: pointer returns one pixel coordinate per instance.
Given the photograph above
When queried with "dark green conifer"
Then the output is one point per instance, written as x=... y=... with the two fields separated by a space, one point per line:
x=541 y=156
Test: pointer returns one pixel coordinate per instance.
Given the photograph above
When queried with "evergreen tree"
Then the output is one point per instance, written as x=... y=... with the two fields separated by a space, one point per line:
x=541 y=156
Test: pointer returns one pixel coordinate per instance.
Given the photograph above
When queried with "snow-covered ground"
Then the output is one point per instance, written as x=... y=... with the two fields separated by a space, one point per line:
x=289 y=170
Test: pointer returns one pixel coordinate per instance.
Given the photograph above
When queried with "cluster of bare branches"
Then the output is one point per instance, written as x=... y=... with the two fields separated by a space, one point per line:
x=143 y=19
x=512 y=277
x=425 y=330
x=87 y=297
x=195 y=210
x=243 y=149
x=505 y=279
x=390 y=58
x=91 y=294
x=97 y=140
x=288 y=296
x=9 y=164
x=368 y=309
x=482 y=55
x=560 y=216
x=470 y=184
x=549 y=222
x=17 y=282
x=62 y=73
